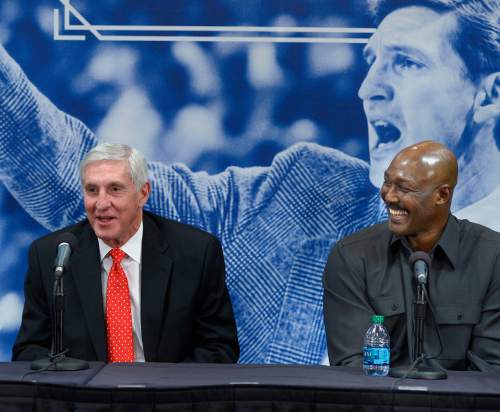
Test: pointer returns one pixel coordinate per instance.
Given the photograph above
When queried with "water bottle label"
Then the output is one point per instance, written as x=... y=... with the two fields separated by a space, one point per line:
x=376 y=356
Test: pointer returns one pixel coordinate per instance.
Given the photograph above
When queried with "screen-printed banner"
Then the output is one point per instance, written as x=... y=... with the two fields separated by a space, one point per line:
x=267 y=123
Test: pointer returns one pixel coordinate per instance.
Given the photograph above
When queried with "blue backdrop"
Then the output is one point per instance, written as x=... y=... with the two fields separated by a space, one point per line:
x=252 y=124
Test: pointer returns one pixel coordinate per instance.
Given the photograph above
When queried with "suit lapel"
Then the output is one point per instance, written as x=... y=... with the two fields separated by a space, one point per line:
x=155 y=276
x=85 y=268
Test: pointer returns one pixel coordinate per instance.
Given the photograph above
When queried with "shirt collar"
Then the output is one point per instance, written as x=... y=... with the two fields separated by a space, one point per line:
x=449 y=242
x=133 y=247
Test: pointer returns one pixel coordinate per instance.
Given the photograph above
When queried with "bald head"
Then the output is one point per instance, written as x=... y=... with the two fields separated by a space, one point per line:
x=417 y=190
x=431 y=161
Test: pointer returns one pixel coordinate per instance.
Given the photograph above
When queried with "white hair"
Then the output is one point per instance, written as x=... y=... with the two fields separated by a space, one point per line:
x=138 y=167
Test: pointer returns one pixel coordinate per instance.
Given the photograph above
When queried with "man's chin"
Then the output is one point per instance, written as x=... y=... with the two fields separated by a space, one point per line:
x=381 y=158
x=376 y=174
x=378 y=166
x=398 y=228
x=106 y=235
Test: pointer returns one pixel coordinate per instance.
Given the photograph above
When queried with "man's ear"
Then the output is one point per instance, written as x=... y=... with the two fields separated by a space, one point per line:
x=487 y=100
x=444 y=194
x=145 y=191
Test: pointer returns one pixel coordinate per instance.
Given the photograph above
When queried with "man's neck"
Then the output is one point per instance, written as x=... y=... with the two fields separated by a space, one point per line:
x=479 y=169
x=425 y=241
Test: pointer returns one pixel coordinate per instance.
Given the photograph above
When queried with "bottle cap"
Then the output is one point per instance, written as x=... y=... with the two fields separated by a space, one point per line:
x=378 y=319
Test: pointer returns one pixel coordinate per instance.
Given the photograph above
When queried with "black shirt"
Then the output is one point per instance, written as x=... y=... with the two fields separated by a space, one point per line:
x=368 y=273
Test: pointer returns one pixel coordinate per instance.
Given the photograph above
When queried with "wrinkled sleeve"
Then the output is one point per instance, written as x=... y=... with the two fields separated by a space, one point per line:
x=40 y=149
x=346 y=309
x=485 y=345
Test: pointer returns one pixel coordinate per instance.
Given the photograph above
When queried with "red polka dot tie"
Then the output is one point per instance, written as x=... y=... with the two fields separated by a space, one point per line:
x=118 y=312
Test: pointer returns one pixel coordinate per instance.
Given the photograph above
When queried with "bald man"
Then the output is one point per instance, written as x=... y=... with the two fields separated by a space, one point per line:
x=368 y=272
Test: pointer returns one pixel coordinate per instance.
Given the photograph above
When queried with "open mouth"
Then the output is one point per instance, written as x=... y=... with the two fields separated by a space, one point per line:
x=396 y=214
x=387 y=133
x=104 y=219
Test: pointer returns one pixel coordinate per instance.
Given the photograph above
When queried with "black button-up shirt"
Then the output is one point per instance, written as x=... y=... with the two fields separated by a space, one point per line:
x=368 y=273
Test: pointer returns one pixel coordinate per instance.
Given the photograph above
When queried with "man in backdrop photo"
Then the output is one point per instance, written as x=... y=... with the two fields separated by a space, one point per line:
x=138 y=287
x=433 y=72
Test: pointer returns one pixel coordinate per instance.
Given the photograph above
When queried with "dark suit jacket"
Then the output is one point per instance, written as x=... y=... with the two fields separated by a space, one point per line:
x=186 y=313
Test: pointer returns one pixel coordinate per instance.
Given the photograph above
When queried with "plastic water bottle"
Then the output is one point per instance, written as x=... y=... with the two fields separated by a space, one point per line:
x=376 y=349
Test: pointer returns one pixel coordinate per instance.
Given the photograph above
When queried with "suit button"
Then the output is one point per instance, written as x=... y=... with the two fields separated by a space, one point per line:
x=394 y=307
x=459 y=317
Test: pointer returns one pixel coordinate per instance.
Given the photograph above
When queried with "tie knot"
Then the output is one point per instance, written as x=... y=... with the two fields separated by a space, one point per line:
x=117 y=255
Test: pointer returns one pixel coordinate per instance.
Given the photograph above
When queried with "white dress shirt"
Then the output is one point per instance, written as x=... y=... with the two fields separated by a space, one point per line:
x=131 y=264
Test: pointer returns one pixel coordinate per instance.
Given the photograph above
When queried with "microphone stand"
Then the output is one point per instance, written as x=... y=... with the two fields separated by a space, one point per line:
x=422 y=367
x=420 y=310
x=57 y=359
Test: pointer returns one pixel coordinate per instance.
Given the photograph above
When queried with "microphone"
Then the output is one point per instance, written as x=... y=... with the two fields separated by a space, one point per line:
x=423 y=366
x=420 y=262
x=57 y=359
x=65 y=245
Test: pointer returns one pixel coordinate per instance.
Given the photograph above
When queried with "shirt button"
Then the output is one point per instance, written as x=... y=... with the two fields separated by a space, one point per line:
x=394 y=307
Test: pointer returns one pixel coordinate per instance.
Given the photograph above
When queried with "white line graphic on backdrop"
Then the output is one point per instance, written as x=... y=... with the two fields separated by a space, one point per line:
x=217 y=33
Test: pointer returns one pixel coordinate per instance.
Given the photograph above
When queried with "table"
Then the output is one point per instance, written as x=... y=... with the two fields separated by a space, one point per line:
x=210 y=387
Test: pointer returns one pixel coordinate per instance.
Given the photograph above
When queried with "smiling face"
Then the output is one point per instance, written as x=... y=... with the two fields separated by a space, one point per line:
x=112 y=202
x=416 y=87
x=408 y=198
x=417 y=190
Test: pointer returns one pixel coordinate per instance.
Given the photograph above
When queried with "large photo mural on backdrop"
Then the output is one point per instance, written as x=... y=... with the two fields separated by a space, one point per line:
x=267 y=123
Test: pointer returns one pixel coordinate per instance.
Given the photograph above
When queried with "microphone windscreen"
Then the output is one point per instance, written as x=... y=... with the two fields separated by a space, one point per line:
x=420 y=256
x=68 y=238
